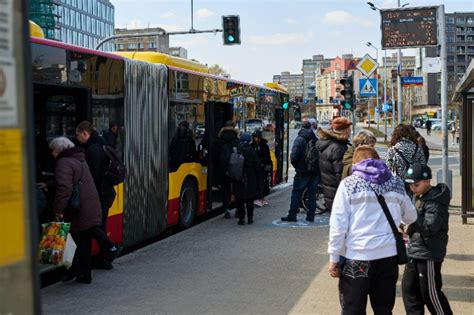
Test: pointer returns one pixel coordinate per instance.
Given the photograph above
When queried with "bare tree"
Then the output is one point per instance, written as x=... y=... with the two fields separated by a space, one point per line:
x=218 y=70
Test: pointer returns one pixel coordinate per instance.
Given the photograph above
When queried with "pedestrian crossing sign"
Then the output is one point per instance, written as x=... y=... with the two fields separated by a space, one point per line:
x=368 y=87
x=367 y=65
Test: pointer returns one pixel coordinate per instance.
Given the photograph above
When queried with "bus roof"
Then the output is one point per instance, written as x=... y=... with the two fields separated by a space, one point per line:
x=276 y=86
x=36 y=30
x=156 y=57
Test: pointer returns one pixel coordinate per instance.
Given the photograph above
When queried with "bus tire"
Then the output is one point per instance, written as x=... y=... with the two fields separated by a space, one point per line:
x=188 y=204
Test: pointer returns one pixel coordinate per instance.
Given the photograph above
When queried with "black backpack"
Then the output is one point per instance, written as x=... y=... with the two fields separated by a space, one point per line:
x=116 y=171
x=235 y=169
x=311 y=157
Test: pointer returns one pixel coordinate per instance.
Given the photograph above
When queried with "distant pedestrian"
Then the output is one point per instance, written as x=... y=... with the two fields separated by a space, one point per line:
x=99 y=163
x=428 y=240
x=228 y=139
x=71 y=167
x=246 y=190
x=428 y=126
x=404 y=151
x=304 y=179
x=362 y=246
x=364 y=137
x=453 y=131
x=110 y=136
x=260 y=145
x=182 y=147
x=332 y=146
x=458 y=131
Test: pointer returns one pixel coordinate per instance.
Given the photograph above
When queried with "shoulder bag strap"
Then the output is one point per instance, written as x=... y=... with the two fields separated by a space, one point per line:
x=382 y=202
x=402 y=156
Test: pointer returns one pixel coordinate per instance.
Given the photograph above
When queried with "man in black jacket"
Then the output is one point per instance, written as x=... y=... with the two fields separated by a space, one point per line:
x=260 y=145
x=303 y=179
x=421 y=283
x=98 y=163
x=332 y=146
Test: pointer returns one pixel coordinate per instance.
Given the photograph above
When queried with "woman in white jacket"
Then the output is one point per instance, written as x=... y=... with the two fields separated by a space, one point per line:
x=362 y=246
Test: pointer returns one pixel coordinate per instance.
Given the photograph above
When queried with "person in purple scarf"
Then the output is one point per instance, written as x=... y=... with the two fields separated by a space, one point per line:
x=362 y=248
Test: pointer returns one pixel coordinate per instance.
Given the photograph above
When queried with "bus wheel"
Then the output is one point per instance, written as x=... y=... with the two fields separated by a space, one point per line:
x=187 y=204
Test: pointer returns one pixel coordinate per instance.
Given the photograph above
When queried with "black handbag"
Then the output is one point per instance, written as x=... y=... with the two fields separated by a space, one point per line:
x=402 y=257
x=75 y=199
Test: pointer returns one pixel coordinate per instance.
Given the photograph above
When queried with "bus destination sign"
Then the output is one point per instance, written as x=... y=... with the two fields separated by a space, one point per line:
x=414 y=27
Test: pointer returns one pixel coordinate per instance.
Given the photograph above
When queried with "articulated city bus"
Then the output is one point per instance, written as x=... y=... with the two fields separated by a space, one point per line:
x=149 y=94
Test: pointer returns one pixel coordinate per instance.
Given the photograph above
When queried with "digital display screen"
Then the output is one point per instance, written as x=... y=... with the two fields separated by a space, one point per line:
x=409 y=27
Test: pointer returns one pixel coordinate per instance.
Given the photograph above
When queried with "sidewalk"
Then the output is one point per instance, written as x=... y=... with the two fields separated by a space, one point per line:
x=458 y=273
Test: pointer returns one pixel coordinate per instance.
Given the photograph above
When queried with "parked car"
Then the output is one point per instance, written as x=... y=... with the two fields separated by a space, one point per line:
x=295 y=124
x=437 y=126
x=418 y=122
x=254 y=124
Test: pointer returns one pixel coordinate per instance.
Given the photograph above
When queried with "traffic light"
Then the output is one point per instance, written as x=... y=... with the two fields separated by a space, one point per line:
x=231 y=29
x=348 y=93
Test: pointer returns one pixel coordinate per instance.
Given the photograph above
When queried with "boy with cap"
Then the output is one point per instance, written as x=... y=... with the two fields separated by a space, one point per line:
x=428 y=239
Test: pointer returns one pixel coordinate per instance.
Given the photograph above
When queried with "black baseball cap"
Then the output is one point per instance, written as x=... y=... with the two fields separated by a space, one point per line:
x=417 y=172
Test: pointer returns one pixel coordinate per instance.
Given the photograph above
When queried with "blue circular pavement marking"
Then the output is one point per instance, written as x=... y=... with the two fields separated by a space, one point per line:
x=319 y=221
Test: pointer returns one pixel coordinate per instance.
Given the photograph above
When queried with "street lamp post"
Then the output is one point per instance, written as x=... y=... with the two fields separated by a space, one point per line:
x=369 y=44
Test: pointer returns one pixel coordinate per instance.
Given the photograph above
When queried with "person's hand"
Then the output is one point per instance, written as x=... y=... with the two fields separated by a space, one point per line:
x=59 y=217
x=334 y=269
x=43 y=186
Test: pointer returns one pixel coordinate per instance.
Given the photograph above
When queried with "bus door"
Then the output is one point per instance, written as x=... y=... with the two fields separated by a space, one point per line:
x=279 y=142
x=217 y=113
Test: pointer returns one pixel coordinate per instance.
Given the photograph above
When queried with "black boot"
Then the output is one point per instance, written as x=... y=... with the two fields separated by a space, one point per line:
x=241 y=221
x=250 y=220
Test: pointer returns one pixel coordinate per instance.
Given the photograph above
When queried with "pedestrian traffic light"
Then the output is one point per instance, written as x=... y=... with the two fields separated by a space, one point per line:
x=348 y=93
x=231 y=29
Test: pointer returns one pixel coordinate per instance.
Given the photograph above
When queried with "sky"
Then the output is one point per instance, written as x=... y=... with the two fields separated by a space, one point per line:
x=276 y=35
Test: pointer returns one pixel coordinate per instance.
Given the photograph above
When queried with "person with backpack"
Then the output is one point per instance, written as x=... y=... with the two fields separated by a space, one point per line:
x=332 y=146
x=99 y=161
x=304 y=156
x=427 y=244
x=228 y=139
x=428 y=127
x=245 y=189
x=404 y=151
x=260 y=145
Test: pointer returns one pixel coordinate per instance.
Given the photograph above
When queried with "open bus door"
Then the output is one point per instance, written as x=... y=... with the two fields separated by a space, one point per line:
x=279 y=142
x=217 y=113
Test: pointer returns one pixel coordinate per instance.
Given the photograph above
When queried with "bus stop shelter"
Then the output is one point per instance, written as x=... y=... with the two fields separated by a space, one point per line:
x=464 y=94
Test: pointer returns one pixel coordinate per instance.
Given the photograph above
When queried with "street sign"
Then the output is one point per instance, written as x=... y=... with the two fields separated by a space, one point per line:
x=411 y=27
x=412 y=81
x=368 y=87
x=431 y=65
x=367 y=65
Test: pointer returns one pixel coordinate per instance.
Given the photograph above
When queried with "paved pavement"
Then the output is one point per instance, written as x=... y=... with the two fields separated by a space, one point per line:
x=218 y=267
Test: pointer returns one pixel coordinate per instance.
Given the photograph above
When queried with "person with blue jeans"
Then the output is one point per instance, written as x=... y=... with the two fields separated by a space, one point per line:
x=303 y=179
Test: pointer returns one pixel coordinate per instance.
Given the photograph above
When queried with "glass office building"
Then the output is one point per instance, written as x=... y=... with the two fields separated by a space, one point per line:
x=79 y=22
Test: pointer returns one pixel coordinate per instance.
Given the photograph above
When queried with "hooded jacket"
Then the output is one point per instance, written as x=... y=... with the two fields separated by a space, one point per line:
x=67 y=173
x=332 y=148
x=359 y=229
x=429 y=233
x=298 y=150
x=228 y=139
x=405 y=149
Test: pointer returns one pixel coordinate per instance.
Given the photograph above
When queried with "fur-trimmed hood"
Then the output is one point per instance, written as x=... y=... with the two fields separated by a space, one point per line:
x=228 y=134
x=327 y=136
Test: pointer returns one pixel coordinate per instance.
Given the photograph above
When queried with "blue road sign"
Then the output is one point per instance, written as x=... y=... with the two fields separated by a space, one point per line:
x=368 y=87
x=412 y=81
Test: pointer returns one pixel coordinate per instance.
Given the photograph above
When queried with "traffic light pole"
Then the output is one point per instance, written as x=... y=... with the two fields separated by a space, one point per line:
x=385 y=93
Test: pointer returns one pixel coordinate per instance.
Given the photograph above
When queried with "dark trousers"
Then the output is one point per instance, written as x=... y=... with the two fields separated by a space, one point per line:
x=226 y=189
x=242 y=205
x=421 y=285
x=300 y=183
x=376 y=279
x=99 y=233
x=81 y=263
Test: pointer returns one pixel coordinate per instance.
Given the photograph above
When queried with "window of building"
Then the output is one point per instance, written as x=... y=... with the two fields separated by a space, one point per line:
x=461 y=58
x=451 y=49
x=132 y=46
x=450 y=19
x=460 y=29
x=79 y=4
x=152 y=45
x=470 y=20
x=460 y=20
x=140 y=45
x=450 y=58
x=450 y=39
x=450 y=28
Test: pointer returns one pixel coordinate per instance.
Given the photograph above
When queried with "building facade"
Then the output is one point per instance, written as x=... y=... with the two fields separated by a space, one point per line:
x=160 y=43
x=78 y=22
x=292 y=82
x=310 y=66
x=179 y=52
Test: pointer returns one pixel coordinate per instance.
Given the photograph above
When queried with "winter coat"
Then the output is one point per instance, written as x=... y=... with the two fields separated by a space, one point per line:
x=263 y=151
x=67 y=173
x=411 y=152
x=347 y=162
x=332 y=148
x=228 y=139
x=358 y=227
x=110 y=138
x=247 y=188
x=298 y=150
x=429 y=233
x=182 y=149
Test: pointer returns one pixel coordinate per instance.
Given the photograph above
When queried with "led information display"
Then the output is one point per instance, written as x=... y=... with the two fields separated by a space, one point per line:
x=409 y=27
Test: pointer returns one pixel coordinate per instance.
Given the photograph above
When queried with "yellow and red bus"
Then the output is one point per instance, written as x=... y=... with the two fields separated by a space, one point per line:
x=148 y=94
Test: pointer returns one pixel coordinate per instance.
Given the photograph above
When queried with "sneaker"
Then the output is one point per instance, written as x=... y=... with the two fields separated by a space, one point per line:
x=309 y=219
x=227 y=215
x=258 y=202
x=114 y=252
x=288 y=219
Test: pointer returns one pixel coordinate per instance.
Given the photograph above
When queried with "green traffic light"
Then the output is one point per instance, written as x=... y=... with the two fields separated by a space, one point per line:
x=285 y=105
x=230 y=38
